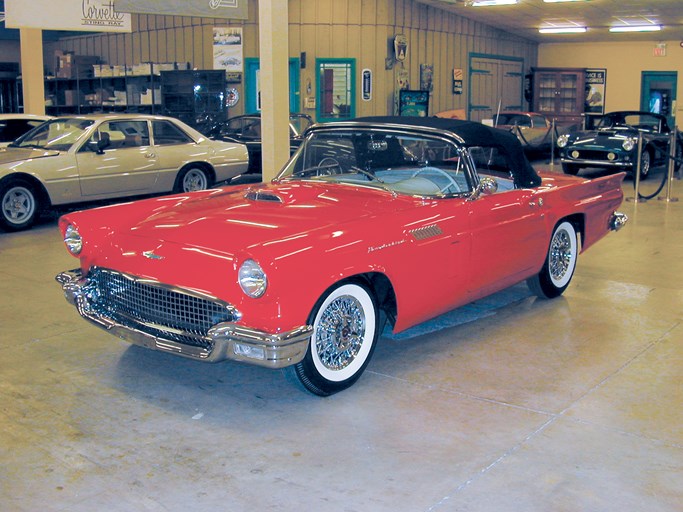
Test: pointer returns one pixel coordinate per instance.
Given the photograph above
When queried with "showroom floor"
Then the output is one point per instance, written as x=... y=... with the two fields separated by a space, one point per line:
x=569 y=405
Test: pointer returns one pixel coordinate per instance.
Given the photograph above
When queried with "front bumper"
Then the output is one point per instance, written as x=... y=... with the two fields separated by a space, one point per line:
x=224 y=341
x=598 y=163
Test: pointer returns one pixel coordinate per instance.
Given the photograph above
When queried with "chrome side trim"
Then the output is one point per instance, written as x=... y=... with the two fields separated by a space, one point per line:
x=279 y=350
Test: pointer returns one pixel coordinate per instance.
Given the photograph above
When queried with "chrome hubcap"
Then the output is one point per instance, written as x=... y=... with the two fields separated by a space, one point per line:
x=560 y=255
x=340 y=332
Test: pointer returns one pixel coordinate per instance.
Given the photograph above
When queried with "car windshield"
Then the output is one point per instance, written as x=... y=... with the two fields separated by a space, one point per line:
x=401 y=162
x=644 y=122
x=58 y=134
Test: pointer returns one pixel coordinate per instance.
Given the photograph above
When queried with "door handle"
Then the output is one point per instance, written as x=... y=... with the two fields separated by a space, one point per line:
x=149 y=155
x=538 y=203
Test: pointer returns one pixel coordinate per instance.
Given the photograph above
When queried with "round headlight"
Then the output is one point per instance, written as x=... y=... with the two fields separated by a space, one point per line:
x=73 y=240
x=562 y=140
x=252 y=279
x=629 y=144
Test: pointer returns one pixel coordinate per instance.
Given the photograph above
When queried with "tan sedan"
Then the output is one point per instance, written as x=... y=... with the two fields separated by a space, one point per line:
x=95 y=157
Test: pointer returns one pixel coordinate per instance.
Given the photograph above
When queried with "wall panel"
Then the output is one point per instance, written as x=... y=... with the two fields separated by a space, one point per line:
x=360 y=29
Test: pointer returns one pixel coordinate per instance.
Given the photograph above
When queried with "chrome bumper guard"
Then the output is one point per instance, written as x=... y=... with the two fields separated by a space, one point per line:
x=617 y=221
x=229 y=341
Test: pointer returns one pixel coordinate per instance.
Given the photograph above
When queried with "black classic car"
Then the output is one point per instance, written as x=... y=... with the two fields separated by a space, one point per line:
x=246 y=130
x=614 y=143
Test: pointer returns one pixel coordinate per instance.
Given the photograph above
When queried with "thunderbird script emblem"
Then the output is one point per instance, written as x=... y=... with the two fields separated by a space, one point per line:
x=151 y=256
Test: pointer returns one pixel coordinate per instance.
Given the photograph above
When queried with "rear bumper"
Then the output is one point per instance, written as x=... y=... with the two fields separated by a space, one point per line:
x=617 y=221
x=225 y=341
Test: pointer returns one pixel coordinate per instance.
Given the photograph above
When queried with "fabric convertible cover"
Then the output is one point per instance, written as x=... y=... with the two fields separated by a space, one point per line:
x=473 y=134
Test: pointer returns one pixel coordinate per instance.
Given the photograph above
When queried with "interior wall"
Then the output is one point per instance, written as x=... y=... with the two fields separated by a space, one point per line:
x=624 y=63
x=359 y=29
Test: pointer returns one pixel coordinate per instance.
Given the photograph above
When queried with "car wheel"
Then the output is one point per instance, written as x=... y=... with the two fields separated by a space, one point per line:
x=19 y=204
x=559 y=265
x=645 y=163
x=192 y=179
x=345 y=330
x=572 y=169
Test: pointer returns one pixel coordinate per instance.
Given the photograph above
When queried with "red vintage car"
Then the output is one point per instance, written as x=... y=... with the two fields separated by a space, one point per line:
x=375 y=220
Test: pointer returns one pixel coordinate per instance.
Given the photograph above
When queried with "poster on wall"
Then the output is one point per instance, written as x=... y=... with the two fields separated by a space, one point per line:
x=227 y=49
x=426 y=77
x=596 y=81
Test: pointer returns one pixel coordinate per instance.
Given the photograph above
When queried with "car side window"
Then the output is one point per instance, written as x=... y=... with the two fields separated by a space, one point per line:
x=493 y=162
x=166 y=133
x=120 y=134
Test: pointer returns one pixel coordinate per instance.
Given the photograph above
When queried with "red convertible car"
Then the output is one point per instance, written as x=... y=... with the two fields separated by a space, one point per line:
x=371 y=221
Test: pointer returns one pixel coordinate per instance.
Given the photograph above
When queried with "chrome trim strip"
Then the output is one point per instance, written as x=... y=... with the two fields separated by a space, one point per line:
x=279 y=350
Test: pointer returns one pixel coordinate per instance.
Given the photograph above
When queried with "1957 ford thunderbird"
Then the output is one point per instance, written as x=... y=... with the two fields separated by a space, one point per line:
x=371 y=221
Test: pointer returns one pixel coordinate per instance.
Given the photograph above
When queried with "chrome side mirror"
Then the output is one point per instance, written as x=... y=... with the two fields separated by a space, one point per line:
x=486 y=186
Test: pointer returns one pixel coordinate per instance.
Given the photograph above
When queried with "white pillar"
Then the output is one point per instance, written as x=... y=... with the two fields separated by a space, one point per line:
x=274 y=83
x=32 y=70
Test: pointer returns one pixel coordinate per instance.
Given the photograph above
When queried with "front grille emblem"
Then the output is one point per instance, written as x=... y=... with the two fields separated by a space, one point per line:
x=151 y=256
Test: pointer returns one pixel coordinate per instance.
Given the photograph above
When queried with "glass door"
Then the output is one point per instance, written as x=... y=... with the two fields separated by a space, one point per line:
x=336 y=89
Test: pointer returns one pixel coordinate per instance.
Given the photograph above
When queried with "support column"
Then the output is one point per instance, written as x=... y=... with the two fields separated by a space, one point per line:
x=274 y=62
x=32 y=70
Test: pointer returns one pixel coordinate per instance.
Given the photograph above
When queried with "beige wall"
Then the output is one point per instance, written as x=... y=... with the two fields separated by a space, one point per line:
x=624 y=63
x=359 y=29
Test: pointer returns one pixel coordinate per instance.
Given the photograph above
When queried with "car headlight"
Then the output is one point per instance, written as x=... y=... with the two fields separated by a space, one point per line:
x=562 y=140
x=73 y=240
x=252 y=279
x=629 y=144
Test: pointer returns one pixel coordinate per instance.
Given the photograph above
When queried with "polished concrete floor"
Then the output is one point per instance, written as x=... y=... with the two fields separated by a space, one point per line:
x=569 y=405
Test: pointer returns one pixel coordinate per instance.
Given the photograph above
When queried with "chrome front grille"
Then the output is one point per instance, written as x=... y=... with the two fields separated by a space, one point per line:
x=159 y=310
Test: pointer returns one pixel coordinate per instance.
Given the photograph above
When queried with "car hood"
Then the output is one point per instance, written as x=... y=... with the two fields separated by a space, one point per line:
x=9 y=155
x=604 y=137
x=226 y=219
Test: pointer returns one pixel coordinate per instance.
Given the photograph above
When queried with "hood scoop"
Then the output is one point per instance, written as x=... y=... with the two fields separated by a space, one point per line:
x=265 y=196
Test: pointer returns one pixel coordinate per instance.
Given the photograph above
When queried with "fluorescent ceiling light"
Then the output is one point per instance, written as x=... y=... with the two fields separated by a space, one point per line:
x=485 y=3
x=556 y=1
x=562 y=30
x=636 y=28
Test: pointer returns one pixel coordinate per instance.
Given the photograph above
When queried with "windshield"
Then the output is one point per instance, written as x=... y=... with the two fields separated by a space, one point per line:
x=58 y=134
x=401 y=162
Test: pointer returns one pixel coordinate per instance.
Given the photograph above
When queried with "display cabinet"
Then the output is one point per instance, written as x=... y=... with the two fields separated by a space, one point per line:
x=558 y=93
x=196 y=97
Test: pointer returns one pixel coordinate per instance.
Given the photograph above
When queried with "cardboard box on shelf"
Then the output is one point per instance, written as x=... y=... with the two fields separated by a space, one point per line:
x=72 y=97
x=70 y=65
x=151 y=96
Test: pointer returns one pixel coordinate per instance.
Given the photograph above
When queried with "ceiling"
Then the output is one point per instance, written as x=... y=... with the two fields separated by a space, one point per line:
x=526 y=17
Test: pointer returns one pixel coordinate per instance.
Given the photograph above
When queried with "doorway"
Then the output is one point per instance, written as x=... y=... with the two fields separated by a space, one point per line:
x=658 y=93
x=495 y=83
x=252 y=99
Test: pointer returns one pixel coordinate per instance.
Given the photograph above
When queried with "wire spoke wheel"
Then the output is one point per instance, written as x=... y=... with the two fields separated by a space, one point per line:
x=345 y=330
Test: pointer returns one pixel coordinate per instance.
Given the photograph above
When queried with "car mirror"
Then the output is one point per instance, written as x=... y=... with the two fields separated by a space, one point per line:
x=486 y=186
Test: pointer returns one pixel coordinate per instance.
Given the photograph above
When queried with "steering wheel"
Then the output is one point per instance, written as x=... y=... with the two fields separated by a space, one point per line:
x=329 y=166
x=451 y=180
